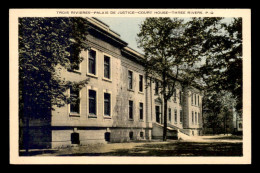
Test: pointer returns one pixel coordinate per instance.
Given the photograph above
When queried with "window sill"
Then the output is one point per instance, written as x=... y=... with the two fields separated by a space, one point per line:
x=141 y=120
x=74 y=114
x=107 y=80
x=131 y=119
x=139 y=92
x=74 y=71
x=130 y=90
x=92 y=75
x=92 y=116
x=107 y=117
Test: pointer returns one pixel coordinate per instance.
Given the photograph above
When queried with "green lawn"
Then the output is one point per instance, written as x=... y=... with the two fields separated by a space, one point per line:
x=154 y=148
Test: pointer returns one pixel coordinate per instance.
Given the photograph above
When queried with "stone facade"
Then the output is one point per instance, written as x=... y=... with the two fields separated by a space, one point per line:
x=133 y=110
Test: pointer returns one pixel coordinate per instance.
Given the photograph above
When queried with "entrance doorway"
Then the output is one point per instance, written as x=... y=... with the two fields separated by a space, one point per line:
x=157 y=113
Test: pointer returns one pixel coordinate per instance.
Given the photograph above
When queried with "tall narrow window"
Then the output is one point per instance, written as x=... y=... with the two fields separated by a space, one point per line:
x=75 y=101
x=174 y=96
x=192 y=118
x=141 y=83
x=156 y=87
x=130 y=80
x=92 y=102
x=198 y=118
x=92 y=62
x=170 y=114
x=180 y=97
x=130 y=109
x=192 y=98
x=198 y=100
x=195 y=117
x=175 y=116
x=141 y=110
x=157 y=112
x=195 y=98
x=107 y=103
x=181 y=116
x=107 y=67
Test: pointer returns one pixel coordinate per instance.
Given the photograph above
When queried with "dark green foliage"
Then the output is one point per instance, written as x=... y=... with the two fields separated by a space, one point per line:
x=45 y=43
x=223 y=64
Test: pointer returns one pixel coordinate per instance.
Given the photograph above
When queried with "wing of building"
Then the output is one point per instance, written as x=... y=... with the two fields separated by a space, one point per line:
x=119 y=103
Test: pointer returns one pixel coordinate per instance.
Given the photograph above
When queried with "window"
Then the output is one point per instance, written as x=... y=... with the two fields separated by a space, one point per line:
x=174 y=96
x=141 y=83
x=75 y=100
x=180 y=96
x=92 y=62
x=175 y=116
x=107 y=67
x=74 y=64
x=240 y=125
x=195 y=98
x=107 y=136
x=107 y=104
x=92 y=102
x=74 y=138
x=198 y=100
x=130 y=80
x=130 y=109
x=141 y=111
x=142 y=134
x=157 y=113
x=170 y=114
x=131 y=135
x=181 y=116
x=192 y=98
x=156 y=87
x=196 y=118
x=192 y=117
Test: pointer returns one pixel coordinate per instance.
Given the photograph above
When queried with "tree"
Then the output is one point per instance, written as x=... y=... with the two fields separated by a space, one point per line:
x=222 y=69
x=45 y=43
x=169 y=55
x=197 y=51
x=217 y=108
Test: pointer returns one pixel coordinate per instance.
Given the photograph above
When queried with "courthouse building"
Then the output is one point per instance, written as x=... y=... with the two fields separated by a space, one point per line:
x=119 y=103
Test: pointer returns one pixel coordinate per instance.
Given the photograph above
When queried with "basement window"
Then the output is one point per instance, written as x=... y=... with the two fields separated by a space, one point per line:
x=131 y=135
x=107 y=136
x=142 y=134
x=75 y=138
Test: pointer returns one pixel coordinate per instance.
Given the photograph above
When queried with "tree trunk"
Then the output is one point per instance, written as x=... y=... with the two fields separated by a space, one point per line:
x=165 y=119
x=26 y=136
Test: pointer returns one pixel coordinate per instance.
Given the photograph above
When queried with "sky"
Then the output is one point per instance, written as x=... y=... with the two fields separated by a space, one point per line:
x=128 y=28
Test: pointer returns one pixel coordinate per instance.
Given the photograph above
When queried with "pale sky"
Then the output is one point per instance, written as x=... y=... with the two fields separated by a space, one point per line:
x=128 y=27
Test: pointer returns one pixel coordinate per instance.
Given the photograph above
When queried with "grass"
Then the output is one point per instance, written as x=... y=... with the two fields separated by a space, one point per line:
x=170 y=148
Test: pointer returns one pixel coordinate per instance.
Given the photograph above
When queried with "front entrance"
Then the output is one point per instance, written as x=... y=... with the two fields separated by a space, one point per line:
x=157 y=113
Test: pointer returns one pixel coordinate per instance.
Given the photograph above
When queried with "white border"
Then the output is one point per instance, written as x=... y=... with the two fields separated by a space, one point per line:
x=13 y=84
